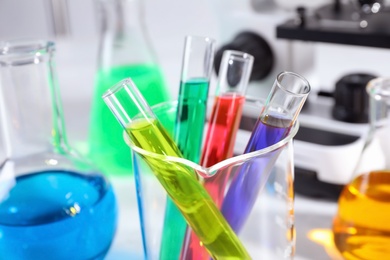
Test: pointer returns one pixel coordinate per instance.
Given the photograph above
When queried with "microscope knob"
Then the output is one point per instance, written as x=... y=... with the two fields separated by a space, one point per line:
x=301 y=19
x=255 y=45
x=351 y=98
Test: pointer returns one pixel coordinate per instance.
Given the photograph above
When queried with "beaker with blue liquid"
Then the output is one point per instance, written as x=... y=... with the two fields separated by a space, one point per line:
x=53 y=203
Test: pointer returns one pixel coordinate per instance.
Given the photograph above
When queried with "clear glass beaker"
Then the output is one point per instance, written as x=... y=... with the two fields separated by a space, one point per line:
x=53 y=203
x=124 y=51
x=361 y=226
x=268 y=232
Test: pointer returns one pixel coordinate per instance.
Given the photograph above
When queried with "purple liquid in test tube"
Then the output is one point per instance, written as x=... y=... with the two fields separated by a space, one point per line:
x=280 y=112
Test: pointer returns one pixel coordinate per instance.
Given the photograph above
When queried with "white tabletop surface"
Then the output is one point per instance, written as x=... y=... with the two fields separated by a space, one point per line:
x=313 y=220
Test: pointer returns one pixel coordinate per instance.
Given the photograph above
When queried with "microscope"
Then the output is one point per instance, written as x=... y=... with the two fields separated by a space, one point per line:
x=338 y=46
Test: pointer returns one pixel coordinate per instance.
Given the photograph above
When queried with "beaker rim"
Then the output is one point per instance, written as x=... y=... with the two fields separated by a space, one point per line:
x=21 y=52
x=230 y=161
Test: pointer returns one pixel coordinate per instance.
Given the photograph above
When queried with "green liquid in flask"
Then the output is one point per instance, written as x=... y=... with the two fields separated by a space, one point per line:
x=181 y=183
x=106 y=146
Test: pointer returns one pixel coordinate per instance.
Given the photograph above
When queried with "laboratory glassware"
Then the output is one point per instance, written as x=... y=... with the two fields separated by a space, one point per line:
x=125 y=50
x=222 y=127
x=180 y=181
x=361 y=226
x=282 y=107
x=53 y=203
x=196 y=72
x=268 y=232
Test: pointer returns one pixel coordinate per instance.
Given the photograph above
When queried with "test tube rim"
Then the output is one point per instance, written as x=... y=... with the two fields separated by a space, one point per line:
x=238 y=55
x=281 y=86
x=199 y=37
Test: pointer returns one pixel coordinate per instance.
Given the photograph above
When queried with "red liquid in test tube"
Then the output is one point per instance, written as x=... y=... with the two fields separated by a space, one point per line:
x=221 y=134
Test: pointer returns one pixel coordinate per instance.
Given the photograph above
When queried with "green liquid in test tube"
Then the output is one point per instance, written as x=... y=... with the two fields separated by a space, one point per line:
x=179 y=180
x=196 y=71
x=188 y=134
x=191 y=117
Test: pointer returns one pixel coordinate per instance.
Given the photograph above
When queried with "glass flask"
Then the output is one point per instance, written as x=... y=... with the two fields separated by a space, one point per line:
x=361 y=226
x=160 y=169
x=53 y=203
x=124 y=51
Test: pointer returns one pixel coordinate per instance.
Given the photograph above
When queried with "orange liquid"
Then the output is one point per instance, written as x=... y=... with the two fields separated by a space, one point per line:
x=362 y=225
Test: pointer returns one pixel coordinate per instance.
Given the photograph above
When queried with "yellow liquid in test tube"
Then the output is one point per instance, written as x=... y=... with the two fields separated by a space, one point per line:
x=182 y=185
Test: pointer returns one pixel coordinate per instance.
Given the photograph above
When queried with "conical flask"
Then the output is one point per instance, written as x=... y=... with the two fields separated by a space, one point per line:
x=124 y=51
x=361 y=226
x=53 y=203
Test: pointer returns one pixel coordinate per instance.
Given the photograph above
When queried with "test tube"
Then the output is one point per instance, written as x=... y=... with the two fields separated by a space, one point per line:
x=224 y=122
x=196 y=72
x=279 y=114
x=179 y=180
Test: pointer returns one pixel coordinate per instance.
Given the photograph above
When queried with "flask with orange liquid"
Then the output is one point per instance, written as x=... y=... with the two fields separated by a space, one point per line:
x=362 y=225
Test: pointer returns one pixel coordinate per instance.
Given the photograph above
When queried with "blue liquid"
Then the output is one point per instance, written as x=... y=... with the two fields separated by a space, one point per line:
x=252 y=175
x=57 y=215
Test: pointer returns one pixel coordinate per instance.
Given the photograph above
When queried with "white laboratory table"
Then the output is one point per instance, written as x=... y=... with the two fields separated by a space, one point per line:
x=312 y=219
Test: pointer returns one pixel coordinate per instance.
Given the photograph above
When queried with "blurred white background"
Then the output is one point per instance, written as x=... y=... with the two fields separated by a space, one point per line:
x=76 y=37
x=168 y=21
x=73 y=25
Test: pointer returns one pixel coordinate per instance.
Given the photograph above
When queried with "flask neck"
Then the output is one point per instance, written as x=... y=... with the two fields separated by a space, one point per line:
x=120 y=16
x=379 y=103
x=30 y=112
x=123 y=36
x=375 y=154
